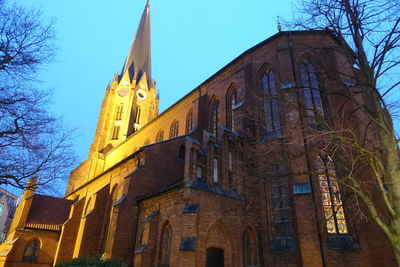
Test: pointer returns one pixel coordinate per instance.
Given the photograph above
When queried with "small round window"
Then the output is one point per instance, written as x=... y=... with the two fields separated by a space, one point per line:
x=141 y=94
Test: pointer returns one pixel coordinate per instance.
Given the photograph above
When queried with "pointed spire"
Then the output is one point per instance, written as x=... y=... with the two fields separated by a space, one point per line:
x=140 y=51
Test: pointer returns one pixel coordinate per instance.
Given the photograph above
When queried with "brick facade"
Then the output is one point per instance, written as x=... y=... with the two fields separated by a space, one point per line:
x=216 y=192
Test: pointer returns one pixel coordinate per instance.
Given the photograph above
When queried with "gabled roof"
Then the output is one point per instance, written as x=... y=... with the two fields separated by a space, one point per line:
x=47 y=212
x=139 y=55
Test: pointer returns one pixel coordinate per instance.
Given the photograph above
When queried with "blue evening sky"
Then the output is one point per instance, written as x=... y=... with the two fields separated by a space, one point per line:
x=191 y=40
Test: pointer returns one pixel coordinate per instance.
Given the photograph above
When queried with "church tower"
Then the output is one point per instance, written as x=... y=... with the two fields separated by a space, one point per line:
x=131 y=99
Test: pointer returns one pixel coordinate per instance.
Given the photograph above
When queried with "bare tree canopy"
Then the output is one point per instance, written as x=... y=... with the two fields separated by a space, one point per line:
x=33 y=143
x=370 y=32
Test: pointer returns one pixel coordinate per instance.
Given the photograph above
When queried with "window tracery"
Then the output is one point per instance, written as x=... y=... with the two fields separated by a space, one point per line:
x=331 y=200
x=213 y=116
x=271 y=110
x=311 y=90
x=174 y=131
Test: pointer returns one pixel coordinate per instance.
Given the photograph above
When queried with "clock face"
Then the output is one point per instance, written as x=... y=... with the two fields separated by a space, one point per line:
x=123 y=91
x=125 y=83
x=141 y=94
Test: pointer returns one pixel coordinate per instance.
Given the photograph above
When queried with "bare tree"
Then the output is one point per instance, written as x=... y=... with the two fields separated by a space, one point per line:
x=370 y=32
x=33 y=143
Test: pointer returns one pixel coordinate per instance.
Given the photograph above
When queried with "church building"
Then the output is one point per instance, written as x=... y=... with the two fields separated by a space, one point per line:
x=225 y=177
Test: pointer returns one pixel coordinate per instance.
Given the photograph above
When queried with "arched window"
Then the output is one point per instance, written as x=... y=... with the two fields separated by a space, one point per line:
x=230 y=106
x=248 y=251
x=271 y=112
x=160 y=136
x=331 y=200
x=174 y=131
x=282 y=214
x=311 y=90
x=166 y=246
x=213 y=116
x=31 y=250
x=189 y=121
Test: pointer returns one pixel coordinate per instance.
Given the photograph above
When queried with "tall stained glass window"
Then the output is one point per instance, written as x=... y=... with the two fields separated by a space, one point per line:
x=331 y=200
x=282 y=214
x=311 y=90
x=271 y=112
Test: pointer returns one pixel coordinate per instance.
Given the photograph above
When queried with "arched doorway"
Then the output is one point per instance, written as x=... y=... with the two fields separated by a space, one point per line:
x=214 y=257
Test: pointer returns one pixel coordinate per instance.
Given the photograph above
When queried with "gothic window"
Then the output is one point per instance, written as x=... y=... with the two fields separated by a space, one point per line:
x=213 y=116
x=282 y=214
x=118 y=115
x=215 y=170
x=189 y=121
x=174 y=131
x=311 y=90
x=166 y=246
x=248 y=251
x=271 y=111
x=31 y=251
x=160 y=136
x=331 y=200
x=230 y=105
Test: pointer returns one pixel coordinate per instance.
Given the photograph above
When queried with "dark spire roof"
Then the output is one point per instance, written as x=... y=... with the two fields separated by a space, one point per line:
x=140 y=51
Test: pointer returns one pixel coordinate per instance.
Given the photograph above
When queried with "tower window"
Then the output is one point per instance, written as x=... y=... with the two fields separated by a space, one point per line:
x=311 y=90
x=271 y=111
x=230 y=105
x=115 y=133
x=213 y=116
x=331 y=200
x=174 y=131
x=118 y=115
x=138 y=111
x=189 y=121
